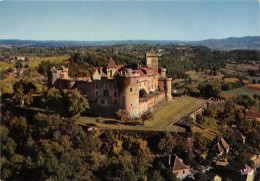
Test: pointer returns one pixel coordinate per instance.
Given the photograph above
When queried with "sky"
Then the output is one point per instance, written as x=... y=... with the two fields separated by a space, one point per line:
x=128 y=20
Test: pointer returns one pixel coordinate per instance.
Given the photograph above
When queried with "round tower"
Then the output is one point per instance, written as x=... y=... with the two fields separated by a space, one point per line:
x=131 y=94
x=163 y=72
x=168 y=88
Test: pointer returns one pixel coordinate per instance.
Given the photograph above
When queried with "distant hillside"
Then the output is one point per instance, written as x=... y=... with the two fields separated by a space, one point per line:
x=249 y=42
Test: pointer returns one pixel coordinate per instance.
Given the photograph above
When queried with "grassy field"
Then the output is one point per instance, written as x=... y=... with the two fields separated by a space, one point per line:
x=201 y=76
x=209 y=133
x=178 y=80
x=230 y=80
x=5 y=65
x=164 y=117
x=34 y=62
x=250 y=89
x=241 y=67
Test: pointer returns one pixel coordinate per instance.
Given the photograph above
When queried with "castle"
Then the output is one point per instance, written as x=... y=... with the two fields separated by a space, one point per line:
x=118 y=87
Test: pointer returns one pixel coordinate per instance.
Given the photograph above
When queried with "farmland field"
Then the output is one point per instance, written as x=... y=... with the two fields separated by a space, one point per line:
x=164 y=117
x=248 y=90
x=230 y=80
x=34 y=62
x=241 y=67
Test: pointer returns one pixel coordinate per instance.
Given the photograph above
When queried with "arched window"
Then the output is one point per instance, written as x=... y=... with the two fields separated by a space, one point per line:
x=131 y=89
x=106 y=93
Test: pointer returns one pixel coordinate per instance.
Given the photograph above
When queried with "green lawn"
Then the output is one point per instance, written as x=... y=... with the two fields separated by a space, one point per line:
x=243 y=91
x=171 y=113
x=36 y=61
x=163 y=117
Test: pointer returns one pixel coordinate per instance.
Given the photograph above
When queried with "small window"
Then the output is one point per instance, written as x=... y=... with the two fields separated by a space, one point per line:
x=105 y=86
x=131 y=104
x=96 y=93
x=131 y=89
x=106 y=93
x=96 y=86
x=183 y=171
x=102 y=101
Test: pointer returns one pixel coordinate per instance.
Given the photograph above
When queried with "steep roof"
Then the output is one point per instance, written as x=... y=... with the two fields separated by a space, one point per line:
x=103 y=74
x=239 y=136
x=95 y=72
x=220 y=149
x=179 y=165
x=224 y=143
x=111 y=63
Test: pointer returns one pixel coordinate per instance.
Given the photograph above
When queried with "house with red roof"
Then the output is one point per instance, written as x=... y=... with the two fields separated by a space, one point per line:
x=180 y=169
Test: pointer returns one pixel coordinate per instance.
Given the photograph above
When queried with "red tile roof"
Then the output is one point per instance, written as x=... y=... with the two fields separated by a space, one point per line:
x=252 y=115
x=179 y=165
x=111 y=63
x=103 y=74
x=141 y=73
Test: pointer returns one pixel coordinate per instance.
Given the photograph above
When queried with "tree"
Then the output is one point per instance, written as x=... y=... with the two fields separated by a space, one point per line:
x=210 y=90
x=18 y=64
x=74 y=103
x=22 y=92
x=200 y=143
x=166 y=144
x=147 y=116
x=122 y=114
x=4 y=75
x=52 y=99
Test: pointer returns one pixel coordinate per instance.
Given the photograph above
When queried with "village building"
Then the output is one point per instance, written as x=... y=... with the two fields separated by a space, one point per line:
x=251 y=115
x=239 y=136
x=225 y=145
x=221 y=147
x=118 y=87
x=180 y=169
x=239 y=171
x=20 y=58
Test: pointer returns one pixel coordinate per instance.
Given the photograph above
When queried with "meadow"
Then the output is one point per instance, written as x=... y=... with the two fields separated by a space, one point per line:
x=250 y=89
x=164 y=117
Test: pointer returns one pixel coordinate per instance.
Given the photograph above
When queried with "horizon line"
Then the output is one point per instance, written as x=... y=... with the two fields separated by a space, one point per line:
x=130 y=39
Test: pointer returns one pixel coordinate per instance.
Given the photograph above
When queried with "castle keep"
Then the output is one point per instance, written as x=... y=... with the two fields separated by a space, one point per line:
x=118 y=87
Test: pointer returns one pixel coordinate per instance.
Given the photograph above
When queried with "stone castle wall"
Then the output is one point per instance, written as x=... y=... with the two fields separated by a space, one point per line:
x=150 y=103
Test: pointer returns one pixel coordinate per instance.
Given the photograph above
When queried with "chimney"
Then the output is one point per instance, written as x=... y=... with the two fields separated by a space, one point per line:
x=169 y=159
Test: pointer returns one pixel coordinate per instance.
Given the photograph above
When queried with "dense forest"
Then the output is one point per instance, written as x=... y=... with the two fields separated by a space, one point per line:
x=39 y=144
x=176 y=60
